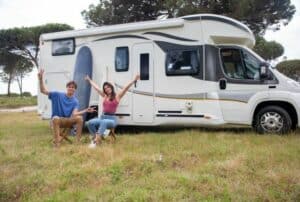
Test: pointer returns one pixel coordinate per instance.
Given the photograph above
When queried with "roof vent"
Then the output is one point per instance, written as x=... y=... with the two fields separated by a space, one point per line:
x=164 y=15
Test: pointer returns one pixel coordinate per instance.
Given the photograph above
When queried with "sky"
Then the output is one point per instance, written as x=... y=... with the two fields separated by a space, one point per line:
x=19 y=13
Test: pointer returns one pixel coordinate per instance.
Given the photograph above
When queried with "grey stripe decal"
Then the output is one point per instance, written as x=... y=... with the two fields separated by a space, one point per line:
x=121 y=36
x=214 y=18
x=184 y=96
x=239 y=96
x=170 y=36
x=230 y=96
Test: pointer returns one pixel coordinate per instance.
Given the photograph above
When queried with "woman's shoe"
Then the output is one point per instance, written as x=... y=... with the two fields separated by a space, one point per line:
x=92 y=145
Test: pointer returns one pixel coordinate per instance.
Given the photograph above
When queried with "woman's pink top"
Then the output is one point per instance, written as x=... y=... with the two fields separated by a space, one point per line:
x=110 y=106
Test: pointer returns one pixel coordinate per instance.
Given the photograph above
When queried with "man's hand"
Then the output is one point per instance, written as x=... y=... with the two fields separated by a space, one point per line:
x=42 y=85
x=41 y=74
x=91 y=110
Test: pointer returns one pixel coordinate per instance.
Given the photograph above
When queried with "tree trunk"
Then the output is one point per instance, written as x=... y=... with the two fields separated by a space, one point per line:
x=8 y=87
x=20 y=84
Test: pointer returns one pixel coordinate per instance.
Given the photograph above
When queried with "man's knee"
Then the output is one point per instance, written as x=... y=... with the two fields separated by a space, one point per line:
x=78 y=119
x=55 y=120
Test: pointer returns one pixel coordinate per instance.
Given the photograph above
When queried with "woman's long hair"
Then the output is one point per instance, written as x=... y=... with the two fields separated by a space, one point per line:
x=113 y=93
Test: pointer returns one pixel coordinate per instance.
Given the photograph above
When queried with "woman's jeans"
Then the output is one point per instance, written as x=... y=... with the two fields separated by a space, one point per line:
x=99 y=125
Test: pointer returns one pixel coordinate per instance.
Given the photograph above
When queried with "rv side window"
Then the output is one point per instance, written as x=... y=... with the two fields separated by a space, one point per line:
x=122 y=59
x=63 y=47
x=182 y=62
x=144 y=66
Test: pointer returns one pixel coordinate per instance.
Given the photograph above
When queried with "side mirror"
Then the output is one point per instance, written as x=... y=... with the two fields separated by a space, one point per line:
x=264 y=70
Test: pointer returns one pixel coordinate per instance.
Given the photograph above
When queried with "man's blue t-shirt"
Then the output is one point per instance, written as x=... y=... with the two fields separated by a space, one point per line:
x=62 y=105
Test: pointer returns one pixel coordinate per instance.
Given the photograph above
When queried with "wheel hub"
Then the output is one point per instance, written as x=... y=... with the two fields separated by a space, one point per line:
x=271 y=122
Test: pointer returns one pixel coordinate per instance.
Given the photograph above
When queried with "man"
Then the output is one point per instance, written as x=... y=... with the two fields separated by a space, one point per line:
x=65 y=107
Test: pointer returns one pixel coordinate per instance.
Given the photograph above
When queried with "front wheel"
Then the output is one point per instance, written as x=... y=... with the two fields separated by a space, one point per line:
x=273 y=119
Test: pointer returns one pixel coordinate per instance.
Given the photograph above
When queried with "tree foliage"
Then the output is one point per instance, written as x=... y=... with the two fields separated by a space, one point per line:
x=121 y=11
x=15 y=67
x=290 y=68
x=23 y=67
x=257 y=14
x=25 y=41
x=269 y=50
x=9 y=63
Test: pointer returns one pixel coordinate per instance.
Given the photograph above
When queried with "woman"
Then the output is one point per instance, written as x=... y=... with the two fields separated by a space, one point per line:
x=111 y=100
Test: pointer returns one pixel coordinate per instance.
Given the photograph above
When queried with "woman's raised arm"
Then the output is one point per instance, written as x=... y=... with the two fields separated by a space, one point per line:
x=125 y=89
x=94 y=85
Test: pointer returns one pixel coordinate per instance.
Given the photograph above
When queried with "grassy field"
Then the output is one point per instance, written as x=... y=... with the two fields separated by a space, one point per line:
x=17 y=101
x=169 y=165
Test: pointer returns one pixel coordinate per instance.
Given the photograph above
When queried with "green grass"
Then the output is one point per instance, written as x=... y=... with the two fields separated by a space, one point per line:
x=15 y=102
x=147 y=165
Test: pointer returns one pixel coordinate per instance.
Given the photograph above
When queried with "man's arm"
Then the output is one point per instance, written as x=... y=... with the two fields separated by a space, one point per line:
x=88 y=110
x=41 y=82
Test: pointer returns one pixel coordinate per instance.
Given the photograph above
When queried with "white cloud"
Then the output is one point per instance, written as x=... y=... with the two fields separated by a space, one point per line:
x=17 y=13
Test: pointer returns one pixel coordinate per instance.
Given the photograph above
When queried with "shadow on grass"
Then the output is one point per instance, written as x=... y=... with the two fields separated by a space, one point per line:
x=161 y=130
x=136 y=130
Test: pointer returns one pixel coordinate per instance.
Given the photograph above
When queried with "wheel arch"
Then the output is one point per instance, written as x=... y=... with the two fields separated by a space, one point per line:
x=291 y=110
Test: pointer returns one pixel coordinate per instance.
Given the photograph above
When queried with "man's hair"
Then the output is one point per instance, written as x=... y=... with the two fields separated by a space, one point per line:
x=72 y=83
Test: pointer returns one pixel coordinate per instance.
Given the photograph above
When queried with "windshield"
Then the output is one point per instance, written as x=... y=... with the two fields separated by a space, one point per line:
x=255 y=54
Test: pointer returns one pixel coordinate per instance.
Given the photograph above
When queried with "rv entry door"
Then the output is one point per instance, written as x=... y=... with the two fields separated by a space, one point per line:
x=143 y=98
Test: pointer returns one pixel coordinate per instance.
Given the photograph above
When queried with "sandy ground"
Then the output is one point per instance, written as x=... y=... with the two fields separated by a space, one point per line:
x=21 y=109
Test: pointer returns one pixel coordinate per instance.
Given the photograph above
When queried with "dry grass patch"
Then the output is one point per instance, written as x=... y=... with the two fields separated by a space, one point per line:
x=147 y=165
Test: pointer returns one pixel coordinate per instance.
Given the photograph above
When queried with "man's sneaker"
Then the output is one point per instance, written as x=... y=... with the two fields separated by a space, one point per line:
x=73 y=130
x=106 y=133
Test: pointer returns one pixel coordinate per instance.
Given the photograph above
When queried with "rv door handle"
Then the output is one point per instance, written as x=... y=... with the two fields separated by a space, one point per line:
x=222 y=84
x=135 y=84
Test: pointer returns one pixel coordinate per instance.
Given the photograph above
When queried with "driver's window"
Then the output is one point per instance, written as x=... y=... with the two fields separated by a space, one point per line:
x=232 y=63
x=252 y=66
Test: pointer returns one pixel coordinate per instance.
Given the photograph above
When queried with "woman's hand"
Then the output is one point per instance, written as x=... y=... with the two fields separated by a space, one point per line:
x=137 y=77
x=87 y=78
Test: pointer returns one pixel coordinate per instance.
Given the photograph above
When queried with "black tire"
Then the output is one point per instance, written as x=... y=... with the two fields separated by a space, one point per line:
x=273 y=119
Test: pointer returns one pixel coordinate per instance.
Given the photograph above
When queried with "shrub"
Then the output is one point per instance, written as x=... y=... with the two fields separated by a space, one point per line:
x=290 y=68
x=27 y=94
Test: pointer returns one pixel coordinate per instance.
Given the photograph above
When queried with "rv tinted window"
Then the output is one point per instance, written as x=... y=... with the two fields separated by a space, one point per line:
x=122 y=59
x=63 y=47
x=182 y=62
x=144 y=66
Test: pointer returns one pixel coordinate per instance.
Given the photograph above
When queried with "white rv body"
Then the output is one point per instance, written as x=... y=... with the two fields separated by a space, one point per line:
x=169 y=96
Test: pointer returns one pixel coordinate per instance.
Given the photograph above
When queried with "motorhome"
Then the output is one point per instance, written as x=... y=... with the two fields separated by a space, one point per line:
x=196 y=70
